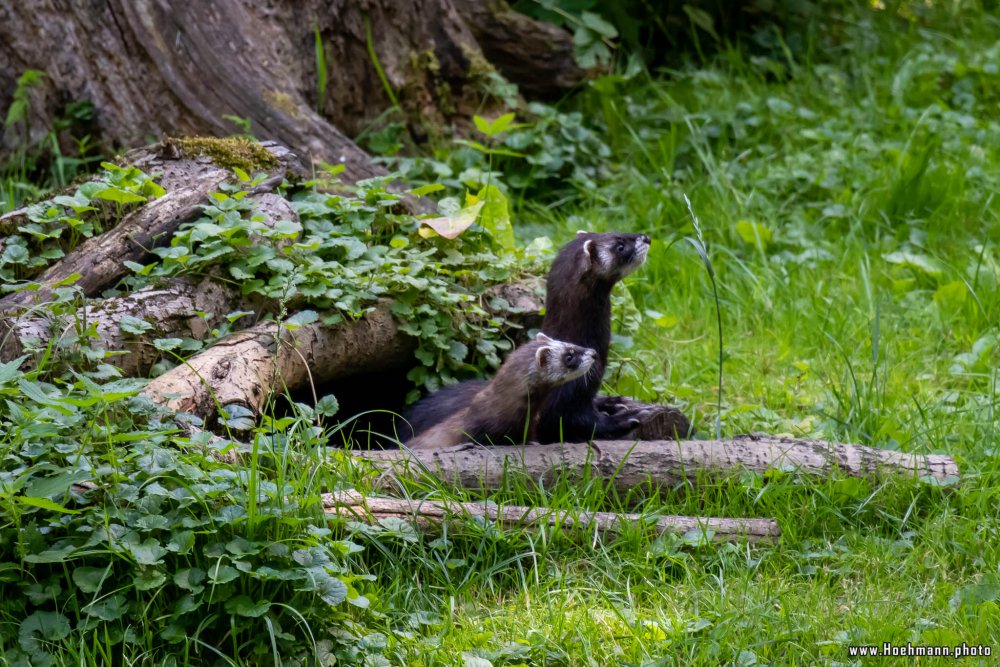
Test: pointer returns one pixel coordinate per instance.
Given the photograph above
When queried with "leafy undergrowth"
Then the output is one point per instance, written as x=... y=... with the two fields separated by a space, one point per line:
x=845 y=182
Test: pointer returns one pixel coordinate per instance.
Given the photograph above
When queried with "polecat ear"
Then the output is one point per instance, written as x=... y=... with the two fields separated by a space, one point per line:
x=589 y=254
x=542 y=356
x=580 y=232
x=542 y=338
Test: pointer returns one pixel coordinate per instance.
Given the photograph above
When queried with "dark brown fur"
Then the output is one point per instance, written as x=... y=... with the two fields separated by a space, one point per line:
x=578 y=310
x=500 y=411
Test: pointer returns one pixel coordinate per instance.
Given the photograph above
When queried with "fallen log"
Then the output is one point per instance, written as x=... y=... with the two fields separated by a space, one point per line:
x=246 y=367
x=100 y=261
x=629 y=463
x=176 y=308
x=431 y=514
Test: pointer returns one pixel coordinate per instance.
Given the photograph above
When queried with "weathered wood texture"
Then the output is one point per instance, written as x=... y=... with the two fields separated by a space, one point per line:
x=432 y=514
x=178 y=308
x=155 y=67
x=246 y=367
x=630 y=463
x=100 y=260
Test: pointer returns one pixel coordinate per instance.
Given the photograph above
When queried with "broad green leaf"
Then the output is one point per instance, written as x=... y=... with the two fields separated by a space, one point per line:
x=457 y=351
x=35 y=393
x=451 y=226
x=190 y=579
x=119 y=196
x=14 y=254
x=481 y=124
x=60 y=555
x=55 y=485
x=661 y=320
x=45 y=504
x=754 y=233
x=109 y=608
x=328 y=406
x=89 y=579
x=181 y=542
x=11 y=370
x=495 y=127
x=133 y=325
x=914 y=260
x=495 y=218
x=426 y=189
x=149 y=579
x=166 y=344
x=301 y=319
x=599 y=25
x=147 y=552
x=222 y=574
x=40 y=627
x=243 y=605
x=952 y=294
x=471 y=660
x=702 y=19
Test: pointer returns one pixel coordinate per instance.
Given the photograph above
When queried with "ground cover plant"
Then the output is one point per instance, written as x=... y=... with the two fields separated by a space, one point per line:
x=844 y=177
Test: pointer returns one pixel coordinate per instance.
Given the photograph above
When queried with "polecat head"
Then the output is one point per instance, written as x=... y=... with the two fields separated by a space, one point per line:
x=613 y=255
x=558 y=362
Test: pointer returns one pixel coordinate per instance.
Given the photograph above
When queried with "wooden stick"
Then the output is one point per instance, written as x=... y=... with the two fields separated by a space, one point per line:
x=661 y=462
x=432 y=513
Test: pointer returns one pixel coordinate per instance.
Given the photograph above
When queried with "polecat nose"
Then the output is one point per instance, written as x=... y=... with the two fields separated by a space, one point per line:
x=645 y=239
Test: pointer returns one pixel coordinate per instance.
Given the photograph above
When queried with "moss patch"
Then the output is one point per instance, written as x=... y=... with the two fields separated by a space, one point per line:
x=229 y=152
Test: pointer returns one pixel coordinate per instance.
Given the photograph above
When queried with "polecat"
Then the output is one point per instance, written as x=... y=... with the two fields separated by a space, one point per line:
x=578 y=310
x=505 y=409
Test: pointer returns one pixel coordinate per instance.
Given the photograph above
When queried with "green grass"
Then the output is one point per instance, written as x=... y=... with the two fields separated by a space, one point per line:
x=867 y=312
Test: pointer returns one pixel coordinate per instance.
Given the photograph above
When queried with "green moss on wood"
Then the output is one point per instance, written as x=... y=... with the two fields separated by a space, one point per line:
x=229 y=152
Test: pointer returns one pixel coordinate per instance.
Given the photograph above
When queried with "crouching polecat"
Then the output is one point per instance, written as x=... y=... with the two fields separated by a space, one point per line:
x=505 y=409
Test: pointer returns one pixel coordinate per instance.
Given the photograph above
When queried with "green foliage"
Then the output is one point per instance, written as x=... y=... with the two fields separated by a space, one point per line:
x=59 y=224
x=133 y=539
x=542 y=158
x=848 y=207
x=351 y=249
x=853 y=235
x=37 y=162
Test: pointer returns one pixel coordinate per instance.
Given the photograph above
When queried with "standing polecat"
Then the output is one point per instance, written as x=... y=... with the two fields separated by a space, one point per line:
x=578 y=310
x=505 y=409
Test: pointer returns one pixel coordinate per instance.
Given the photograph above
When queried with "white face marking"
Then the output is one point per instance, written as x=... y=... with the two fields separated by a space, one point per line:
x=588 y=254
x=542 y=356
x=554 y=370
x=638 y=259
x=605 y=257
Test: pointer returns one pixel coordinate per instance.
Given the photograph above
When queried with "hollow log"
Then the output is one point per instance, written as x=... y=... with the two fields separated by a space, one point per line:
x=663 y=463
x=431 y=514
x=246 y=367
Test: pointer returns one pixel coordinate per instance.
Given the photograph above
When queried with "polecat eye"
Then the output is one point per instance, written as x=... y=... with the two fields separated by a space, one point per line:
x=620 y=247
x=568 y=358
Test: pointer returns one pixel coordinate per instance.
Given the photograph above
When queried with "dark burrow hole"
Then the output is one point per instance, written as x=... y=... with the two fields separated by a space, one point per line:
x=370 y=408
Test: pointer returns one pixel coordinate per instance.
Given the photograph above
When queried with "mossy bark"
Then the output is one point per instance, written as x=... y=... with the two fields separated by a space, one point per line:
x=153 y=67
